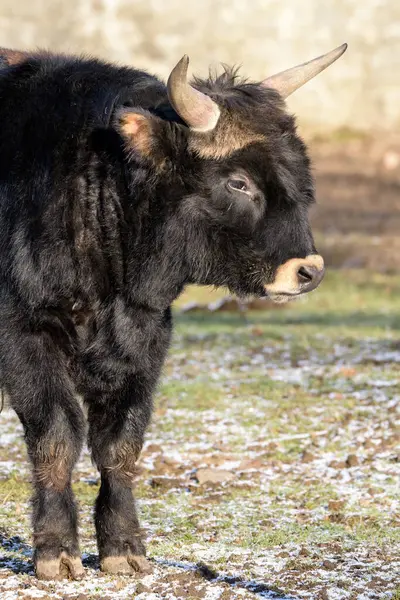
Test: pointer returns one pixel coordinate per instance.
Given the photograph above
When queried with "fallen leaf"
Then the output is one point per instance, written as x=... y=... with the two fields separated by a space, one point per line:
x=352 y=461
x=166 y=483
x=213 y=476
x=336 y=505
x=337 y=464
x=251 y=463
x=307 y=457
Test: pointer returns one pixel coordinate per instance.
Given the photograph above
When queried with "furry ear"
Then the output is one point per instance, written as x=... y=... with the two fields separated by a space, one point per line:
x=136 y=129
x=12 y=57
x=143 y=134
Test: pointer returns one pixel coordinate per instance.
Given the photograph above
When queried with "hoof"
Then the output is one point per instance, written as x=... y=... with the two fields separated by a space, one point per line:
x=63 y=567
x=140 y=564
x=115 y=565
x=125 y=565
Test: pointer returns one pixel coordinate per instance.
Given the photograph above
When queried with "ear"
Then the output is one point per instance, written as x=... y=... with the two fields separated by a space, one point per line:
x=12 y=57
x=144 y=134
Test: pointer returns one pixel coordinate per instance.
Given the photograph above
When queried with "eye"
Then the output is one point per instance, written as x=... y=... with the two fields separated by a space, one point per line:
x=239 y=185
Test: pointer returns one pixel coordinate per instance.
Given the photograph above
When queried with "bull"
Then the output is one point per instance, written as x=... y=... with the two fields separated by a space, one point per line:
x=116 y=192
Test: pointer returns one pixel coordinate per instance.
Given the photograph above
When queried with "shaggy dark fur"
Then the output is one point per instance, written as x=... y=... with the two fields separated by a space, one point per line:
x=100 y=231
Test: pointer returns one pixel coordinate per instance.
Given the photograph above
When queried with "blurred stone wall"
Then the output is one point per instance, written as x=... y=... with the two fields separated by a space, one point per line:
x=361 y=91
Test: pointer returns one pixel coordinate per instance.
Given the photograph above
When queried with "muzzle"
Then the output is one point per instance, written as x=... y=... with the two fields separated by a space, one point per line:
x=295 y=277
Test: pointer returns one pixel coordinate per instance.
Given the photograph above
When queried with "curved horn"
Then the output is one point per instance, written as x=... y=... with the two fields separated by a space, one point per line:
x=290 y=80
x=196 y=109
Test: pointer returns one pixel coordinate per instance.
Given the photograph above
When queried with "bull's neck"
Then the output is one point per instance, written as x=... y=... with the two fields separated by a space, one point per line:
x=157 y=270
x=141 y=244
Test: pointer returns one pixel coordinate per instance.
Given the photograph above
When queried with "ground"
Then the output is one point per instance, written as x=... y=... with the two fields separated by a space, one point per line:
x=271 y=468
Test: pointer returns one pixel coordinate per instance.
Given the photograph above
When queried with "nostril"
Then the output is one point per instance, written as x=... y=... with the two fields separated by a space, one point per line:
x=306 y=274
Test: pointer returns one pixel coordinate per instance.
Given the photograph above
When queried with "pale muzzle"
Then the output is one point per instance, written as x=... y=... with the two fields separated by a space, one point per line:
x=295 y=277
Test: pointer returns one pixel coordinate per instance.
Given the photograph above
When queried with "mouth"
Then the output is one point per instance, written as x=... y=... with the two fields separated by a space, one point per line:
x=283 y=297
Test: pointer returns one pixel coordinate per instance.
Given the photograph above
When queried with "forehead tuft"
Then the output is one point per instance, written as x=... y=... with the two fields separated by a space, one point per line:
x=250 y=113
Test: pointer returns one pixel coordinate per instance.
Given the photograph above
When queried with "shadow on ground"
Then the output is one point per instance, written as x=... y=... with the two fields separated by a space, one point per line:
x=10 y=544
x=16 y=564
x=19 y=566
x=263 y=590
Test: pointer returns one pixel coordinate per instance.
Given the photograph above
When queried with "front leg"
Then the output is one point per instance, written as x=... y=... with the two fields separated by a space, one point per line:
x=42 y=395
x=117 y=422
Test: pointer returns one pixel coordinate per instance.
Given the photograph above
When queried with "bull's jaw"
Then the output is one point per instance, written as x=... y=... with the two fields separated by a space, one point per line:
x=282 y=298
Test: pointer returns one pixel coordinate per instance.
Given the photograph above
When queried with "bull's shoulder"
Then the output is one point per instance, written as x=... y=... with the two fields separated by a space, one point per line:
x=52 y=106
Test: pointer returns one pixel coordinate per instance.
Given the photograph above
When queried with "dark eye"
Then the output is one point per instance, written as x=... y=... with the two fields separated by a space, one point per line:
x=239 y=185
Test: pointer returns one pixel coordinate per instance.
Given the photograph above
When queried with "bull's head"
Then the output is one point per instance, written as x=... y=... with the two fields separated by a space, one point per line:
x=245 y=176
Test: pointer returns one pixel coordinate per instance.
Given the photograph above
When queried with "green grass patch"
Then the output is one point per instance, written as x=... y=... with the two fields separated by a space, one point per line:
x=14 y=489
